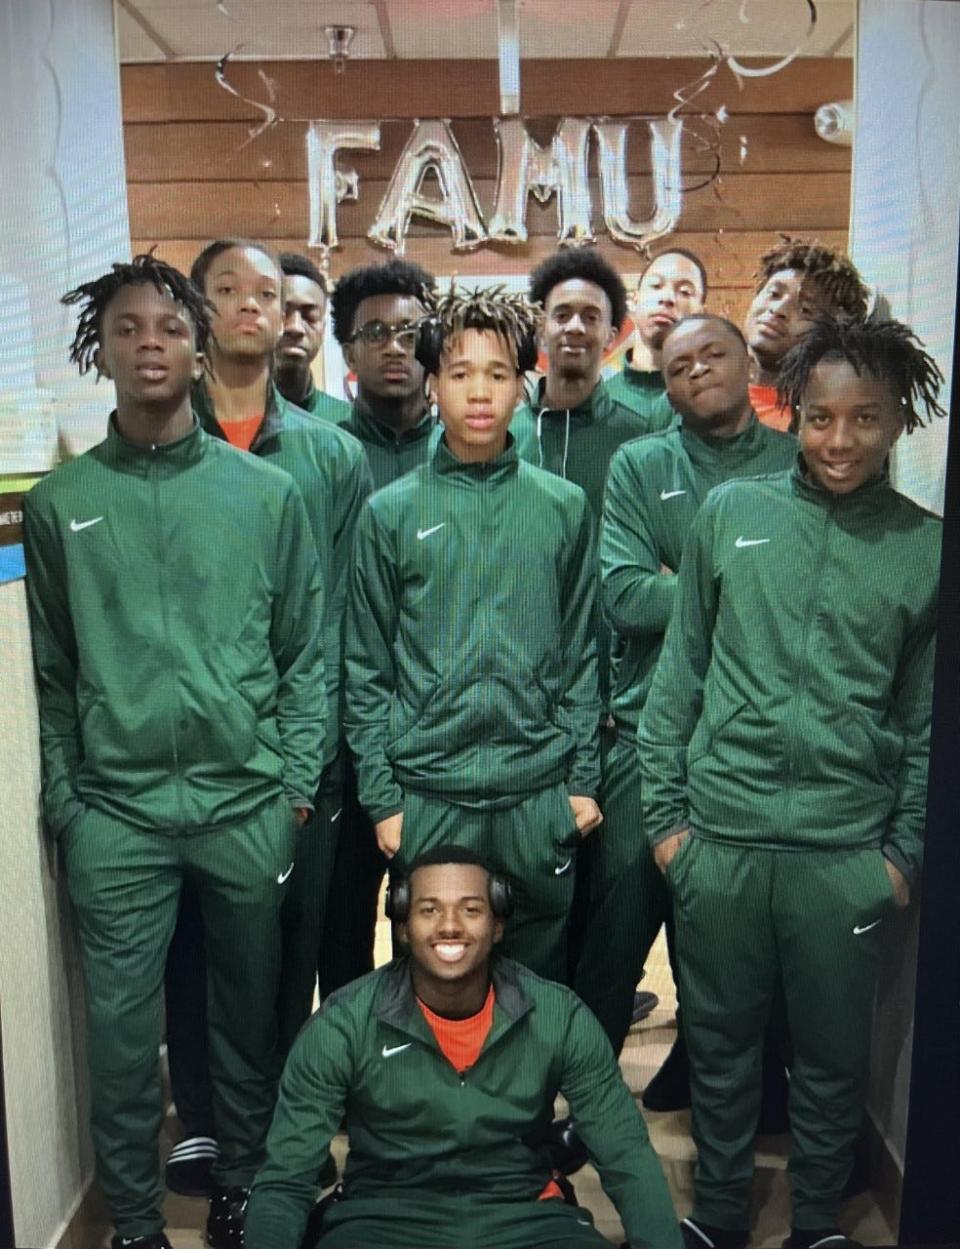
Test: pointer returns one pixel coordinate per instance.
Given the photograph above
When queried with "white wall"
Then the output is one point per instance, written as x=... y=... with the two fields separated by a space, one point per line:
x=63 y=220
x=904 y=230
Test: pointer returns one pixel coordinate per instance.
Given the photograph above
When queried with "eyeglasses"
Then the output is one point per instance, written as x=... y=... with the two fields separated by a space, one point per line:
x=376 y=333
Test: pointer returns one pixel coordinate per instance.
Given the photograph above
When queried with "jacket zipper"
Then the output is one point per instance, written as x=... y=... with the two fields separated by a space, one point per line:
x=165 y=616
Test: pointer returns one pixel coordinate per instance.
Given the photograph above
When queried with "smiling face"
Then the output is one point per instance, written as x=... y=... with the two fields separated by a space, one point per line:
x=783 y=310
x=577 y=328
x=848 y=425
x=148 y=347
x=451 y=929
x=707 y=372
x=243 y=284
x=304 y=306
x=477 y=389
x=670 y=289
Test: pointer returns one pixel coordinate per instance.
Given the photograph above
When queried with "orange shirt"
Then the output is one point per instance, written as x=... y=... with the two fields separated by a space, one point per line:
x=763 y=400
x=461 y=1040
x=242 y=433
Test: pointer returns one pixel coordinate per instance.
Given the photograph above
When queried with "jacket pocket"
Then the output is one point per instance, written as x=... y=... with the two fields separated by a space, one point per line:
x=709 y=730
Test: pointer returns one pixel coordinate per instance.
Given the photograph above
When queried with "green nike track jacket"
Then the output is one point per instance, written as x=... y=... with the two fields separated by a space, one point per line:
x=176 y=609
x=390 y=455
x=791 y=704
x=471 y=670
x=418 y=1128
x=333 y=476
x=655 y=487
x=642 y=391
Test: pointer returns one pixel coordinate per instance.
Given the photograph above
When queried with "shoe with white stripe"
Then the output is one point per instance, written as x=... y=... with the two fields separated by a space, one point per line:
x=156 y=1240
x=188 y=1167
x=704 y=1236
x=830 y=1238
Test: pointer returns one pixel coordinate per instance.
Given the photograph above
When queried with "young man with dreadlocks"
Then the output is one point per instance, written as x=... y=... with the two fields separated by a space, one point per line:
x=798 y=281
x=181 y=737
x=304 y=298
x=783 y=754
x=471 y=671
x=239 y=402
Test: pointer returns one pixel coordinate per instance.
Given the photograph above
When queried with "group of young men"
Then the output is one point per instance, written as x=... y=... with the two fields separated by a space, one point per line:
x=575 y=658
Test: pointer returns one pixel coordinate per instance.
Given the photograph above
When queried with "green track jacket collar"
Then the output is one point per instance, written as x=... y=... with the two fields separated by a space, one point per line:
x=368 y=429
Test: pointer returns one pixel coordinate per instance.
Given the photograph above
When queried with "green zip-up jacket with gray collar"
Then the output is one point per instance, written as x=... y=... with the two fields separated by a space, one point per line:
x=644 y=392
x=331 y=471
x=471 y=669
x=654 y=490
x=176 y=607
x=417 y=1128
x=791 y=704
x=390 y=454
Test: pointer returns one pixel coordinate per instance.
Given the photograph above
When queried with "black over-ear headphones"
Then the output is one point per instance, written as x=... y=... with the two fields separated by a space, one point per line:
x=429 y=347
x=398 y=898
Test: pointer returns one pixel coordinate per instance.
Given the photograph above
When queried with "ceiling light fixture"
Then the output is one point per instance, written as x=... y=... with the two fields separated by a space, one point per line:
x=339 y=39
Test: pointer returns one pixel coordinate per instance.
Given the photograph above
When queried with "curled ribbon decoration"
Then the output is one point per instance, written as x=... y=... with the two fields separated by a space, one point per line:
x=270 y=116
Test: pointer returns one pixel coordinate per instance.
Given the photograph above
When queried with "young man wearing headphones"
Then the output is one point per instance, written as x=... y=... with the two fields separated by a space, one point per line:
x=472 y=705
x=445 y=1065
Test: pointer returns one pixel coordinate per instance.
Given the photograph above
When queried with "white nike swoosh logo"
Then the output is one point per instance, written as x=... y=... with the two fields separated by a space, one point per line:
x=750 y=541
x=335 y=816
x=389 y=1051
x=425 y=533
x=671 y=494
x=866 y=928
x=77 y=525
x=283 y=875
x=558 y=871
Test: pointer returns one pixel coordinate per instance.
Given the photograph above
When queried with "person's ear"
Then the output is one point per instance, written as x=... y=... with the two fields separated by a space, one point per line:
x=498 y=932
x=199 y=363
x=431 y=381
x=611 y=337
x=521 y=394
x=348 y=355
x=400 y=929
x=100 y=364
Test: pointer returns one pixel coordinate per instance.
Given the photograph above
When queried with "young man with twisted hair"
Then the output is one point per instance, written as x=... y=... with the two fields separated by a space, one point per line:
x=471 y=671
x=181 y=737
x=783 y=754
x=797 y=282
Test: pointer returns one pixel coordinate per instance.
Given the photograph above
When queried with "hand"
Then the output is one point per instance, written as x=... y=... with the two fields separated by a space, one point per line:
x=664 y=850
x=586 y=813
x=302 y=814
x=388 y=834
x=901 y=886
x=665 y=571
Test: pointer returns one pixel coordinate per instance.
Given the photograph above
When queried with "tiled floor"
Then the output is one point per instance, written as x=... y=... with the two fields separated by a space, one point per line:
x=647 y=1046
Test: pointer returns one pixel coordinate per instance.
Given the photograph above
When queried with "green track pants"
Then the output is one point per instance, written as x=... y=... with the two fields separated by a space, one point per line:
x=750 y=919
x=533 y=844
x=471 y=1222
x=629 y=898
x=125 y=884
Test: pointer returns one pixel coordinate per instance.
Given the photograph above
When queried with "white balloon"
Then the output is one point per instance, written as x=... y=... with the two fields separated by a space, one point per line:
x=329 y=186
x=525 y=168
x=665 y=138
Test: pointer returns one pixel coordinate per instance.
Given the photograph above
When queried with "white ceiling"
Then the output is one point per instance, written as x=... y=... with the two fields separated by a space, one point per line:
x=161 y=30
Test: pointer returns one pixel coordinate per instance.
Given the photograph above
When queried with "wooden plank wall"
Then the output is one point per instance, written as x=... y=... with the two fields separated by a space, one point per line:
x=189 y=181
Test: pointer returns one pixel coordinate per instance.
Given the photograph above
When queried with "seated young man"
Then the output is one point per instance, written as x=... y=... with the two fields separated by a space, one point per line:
x=444 y=1064
x=783 y=754
x=471 y=702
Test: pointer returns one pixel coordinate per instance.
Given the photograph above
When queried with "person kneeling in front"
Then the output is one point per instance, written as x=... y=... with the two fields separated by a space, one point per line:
x=444 y=1063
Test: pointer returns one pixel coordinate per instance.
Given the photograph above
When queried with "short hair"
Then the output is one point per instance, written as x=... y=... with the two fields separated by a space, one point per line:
x=691 y=256
x=199 y=268
x=706 y=316
x=296 y=265
x=449 y=853
x=508 y=315
x=144 y=269
x=831 y=273
x=394 y=277
x=589 y=266
x=882 y=348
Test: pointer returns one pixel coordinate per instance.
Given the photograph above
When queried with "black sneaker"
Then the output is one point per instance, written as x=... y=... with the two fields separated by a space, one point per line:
x=156 y=1240
x=831 y=1238
x=188 y=1168
x=703 y=1236
x=670 y=1087
x=228 y=1208
x=644 y=1004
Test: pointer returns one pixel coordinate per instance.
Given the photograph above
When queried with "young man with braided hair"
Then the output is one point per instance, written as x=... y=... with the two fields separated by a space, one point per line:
x=797 y=282
x=471 y=672
x=783 y=754
x=181 y=738
x=445 y=1065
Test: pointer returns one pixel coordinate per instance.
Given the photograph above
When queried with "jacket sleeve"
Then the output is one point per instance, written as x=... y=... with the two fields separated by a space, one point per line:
x=313 y=1096
x=610 y=1125
x=675 y=700
x=912 y=699
x=637 y=597
x=372 y=621
x=581 y=698
x=55 y=664
x=296 y=642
